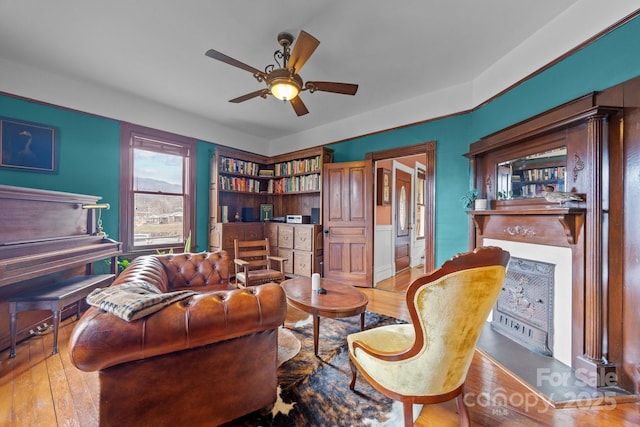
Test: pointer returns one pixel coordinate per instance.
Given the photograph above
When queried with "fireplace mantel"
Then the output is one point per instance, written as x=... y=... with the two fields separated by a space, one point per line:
x=531 y=224
x=586 y=131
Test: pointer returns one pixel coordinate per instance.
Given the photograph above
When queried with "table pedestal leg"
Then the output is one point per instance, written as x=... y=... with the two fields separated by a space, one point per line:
x=316 y=333
x=362 y=321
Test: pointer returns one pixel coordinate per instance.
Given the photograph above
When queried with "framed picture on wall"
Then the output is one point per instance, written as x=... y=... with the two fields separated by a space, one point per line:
x=383 y=187
x=28 y=146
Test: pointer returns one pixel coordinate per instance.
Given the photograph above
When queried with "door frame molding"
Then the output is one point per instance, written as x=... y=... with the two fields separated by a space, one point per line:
x=429 y=149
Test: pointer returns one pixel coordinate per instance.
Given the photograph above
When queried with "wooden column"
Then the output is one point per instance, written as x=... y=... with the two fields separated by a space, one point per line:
x=592 y=367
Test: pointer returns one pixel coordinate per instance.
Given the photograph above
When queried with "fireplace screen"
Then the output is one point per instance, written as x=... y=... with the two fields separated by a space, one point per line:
x=524 y=311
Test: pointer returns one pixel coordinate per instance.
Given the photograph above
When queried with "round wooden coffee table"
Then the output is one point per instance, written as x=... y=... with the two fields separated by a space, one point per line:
x=339 y=301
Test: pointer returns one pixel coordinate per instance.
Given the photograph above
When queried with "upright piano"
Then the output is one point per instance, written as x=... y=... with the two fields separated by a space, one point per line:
x=46 y=237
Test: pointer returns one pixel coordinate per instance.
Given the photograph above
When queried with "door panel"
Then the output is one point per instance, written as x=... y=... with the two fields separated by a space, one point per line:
x=403 y=217
x=348 y=222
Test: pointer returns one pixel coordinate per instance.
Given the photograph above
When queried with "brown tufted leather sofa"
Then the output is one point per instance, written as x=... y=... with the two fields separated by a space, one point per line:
x=204 y=360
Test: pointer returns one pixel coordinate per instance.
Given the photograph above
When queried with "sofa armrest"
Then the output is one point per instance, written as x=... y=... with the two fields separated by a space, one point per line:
x=202 y=271
x=146 y=268
x=100 y=339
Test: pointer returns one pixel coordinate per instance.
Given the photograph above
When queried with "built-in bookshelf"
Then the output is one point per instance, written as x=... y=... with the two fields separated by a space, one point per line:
x=241 y=182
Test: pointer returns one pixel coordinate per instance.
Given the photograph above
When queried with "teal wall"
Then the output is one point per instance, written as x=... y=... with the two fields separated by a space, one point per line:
x=89 y=146
x=205 y=153
x=89 y=155
x=608 y=61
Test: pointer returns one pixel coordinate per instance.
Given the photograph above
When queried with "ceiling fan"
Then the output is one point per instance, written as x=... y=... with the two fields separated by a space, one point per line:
x=283 y=81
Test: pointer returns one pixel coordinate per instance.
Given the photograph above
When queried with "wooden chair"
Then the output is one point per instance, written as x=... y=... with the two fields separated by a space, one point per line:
x=427 y=361
x=254 y=264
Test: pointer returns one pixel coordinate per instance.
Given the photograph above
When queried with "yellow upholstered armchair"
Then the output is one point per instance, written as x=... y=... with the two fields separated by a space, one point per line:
x=427 y=361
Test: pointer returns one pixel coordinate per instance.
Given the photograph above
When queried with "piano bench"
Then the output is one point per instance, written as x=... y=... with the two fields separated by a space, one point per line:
x=55 y=297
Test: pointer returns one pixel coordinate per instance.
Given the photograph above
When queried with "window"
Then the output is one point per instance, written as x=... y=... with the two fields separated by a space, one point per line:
x=157 y=184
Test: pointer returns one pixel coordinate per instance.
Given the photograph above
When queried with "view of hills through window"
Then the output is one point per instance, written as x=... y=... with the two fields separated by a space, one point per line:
x=159 y=204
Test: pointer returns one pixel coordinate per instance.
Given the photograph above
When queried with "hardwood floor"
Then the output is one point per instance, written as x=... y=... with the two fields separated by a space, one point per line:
x=40 y=389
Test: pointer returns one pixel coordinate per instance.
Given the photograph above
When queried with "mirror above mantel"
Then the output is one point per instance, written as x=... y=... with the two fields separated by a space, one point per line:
x=530 y=175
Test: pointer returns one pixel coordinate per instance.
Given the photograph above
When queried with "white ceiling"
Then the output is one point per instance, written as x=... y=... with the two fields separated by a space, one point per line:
x=143 y=61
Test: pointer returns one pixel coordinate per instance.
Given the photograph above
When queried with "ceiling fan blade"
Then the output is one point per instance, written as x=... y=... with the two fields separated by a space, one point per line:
x=302 y=50
x=343 y=88
x=299 y=106
x=262 y=92
x=229 y=60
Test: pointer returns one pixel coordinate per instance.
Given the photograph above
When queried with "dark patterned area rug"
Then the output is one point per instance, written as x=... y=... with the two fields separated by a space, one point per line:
x=314 y=391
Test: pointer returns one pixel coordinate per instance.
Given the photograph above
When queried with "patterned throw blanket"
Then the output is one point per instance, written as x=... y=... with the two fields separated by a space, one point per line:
x=131 y=301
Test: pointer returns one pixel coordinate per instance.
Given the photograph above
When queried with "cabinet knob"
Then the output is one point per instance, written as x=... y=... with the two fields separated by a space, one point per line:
x=326 y=231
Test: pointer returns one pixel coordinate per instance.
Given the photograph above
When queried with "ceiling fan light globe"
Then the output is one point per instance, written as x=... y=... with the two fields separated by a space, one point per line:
x=284 y=89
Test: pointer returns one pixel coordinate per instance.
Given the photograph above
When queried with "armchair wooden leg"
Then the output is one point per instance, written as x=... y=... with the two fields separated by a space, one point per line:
x=463 y=411
x=354 y=371
x=407 y=407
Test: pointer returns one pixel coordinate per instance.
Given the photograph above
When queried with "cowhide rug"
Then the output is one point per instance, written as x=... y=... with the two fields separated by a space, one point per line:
x=314 y=391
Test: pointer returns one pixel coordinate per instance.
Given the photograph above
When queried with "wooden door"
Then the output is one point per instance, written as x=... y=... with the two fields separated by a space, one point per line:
x=348 y=222
x=403 y=215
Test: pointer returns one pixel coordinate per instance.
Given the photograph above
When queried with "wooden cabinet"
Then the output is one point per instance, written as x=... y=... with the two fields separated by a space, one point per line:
x=301 y=244
x=222 y=235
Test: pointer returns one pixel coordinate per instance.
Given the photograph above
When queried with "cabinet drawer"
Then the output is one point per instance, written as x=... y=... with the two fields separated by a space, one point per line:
x=271 y=233
x=288 y=265
x=230 y=232
x=253 y=231
x=302 y=263
x=285 y=237
x=303 y=238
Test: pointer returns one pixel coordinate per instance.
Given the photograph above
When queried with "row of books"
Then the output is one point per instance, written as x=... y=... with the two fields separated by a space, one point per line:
x=239 y=184
x=542 y=174
x=295 y=184
x=311 y=164
x=535 y=190
x=228 y=164
x=243 y=167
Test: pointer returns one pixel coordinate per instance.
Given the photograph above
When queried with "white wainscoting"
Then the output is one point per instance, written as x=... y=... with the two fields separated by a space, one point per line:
x=383 y=253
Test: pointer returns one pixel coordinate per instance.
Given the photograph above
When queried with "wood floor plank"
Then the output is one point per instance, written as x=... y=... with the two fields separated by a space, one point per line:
x=83 y=386
x=43 y=406
x=6 y=388
x=65 y=410
x=22 y=414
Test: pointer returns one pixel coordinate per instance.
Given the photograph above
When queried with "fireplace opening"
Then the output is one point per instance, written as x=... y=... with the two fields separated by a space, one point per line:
x=524 y=311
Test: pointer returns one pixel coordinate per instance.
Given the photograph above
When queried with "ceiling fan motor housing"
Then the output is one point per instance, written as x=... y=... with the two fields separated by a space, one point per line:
x=285 y=39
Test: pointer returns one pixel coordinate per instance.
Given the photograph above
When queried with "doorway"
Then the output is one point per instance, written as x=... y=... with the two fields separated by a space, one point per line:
x=403 y=220
x=404 y=234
